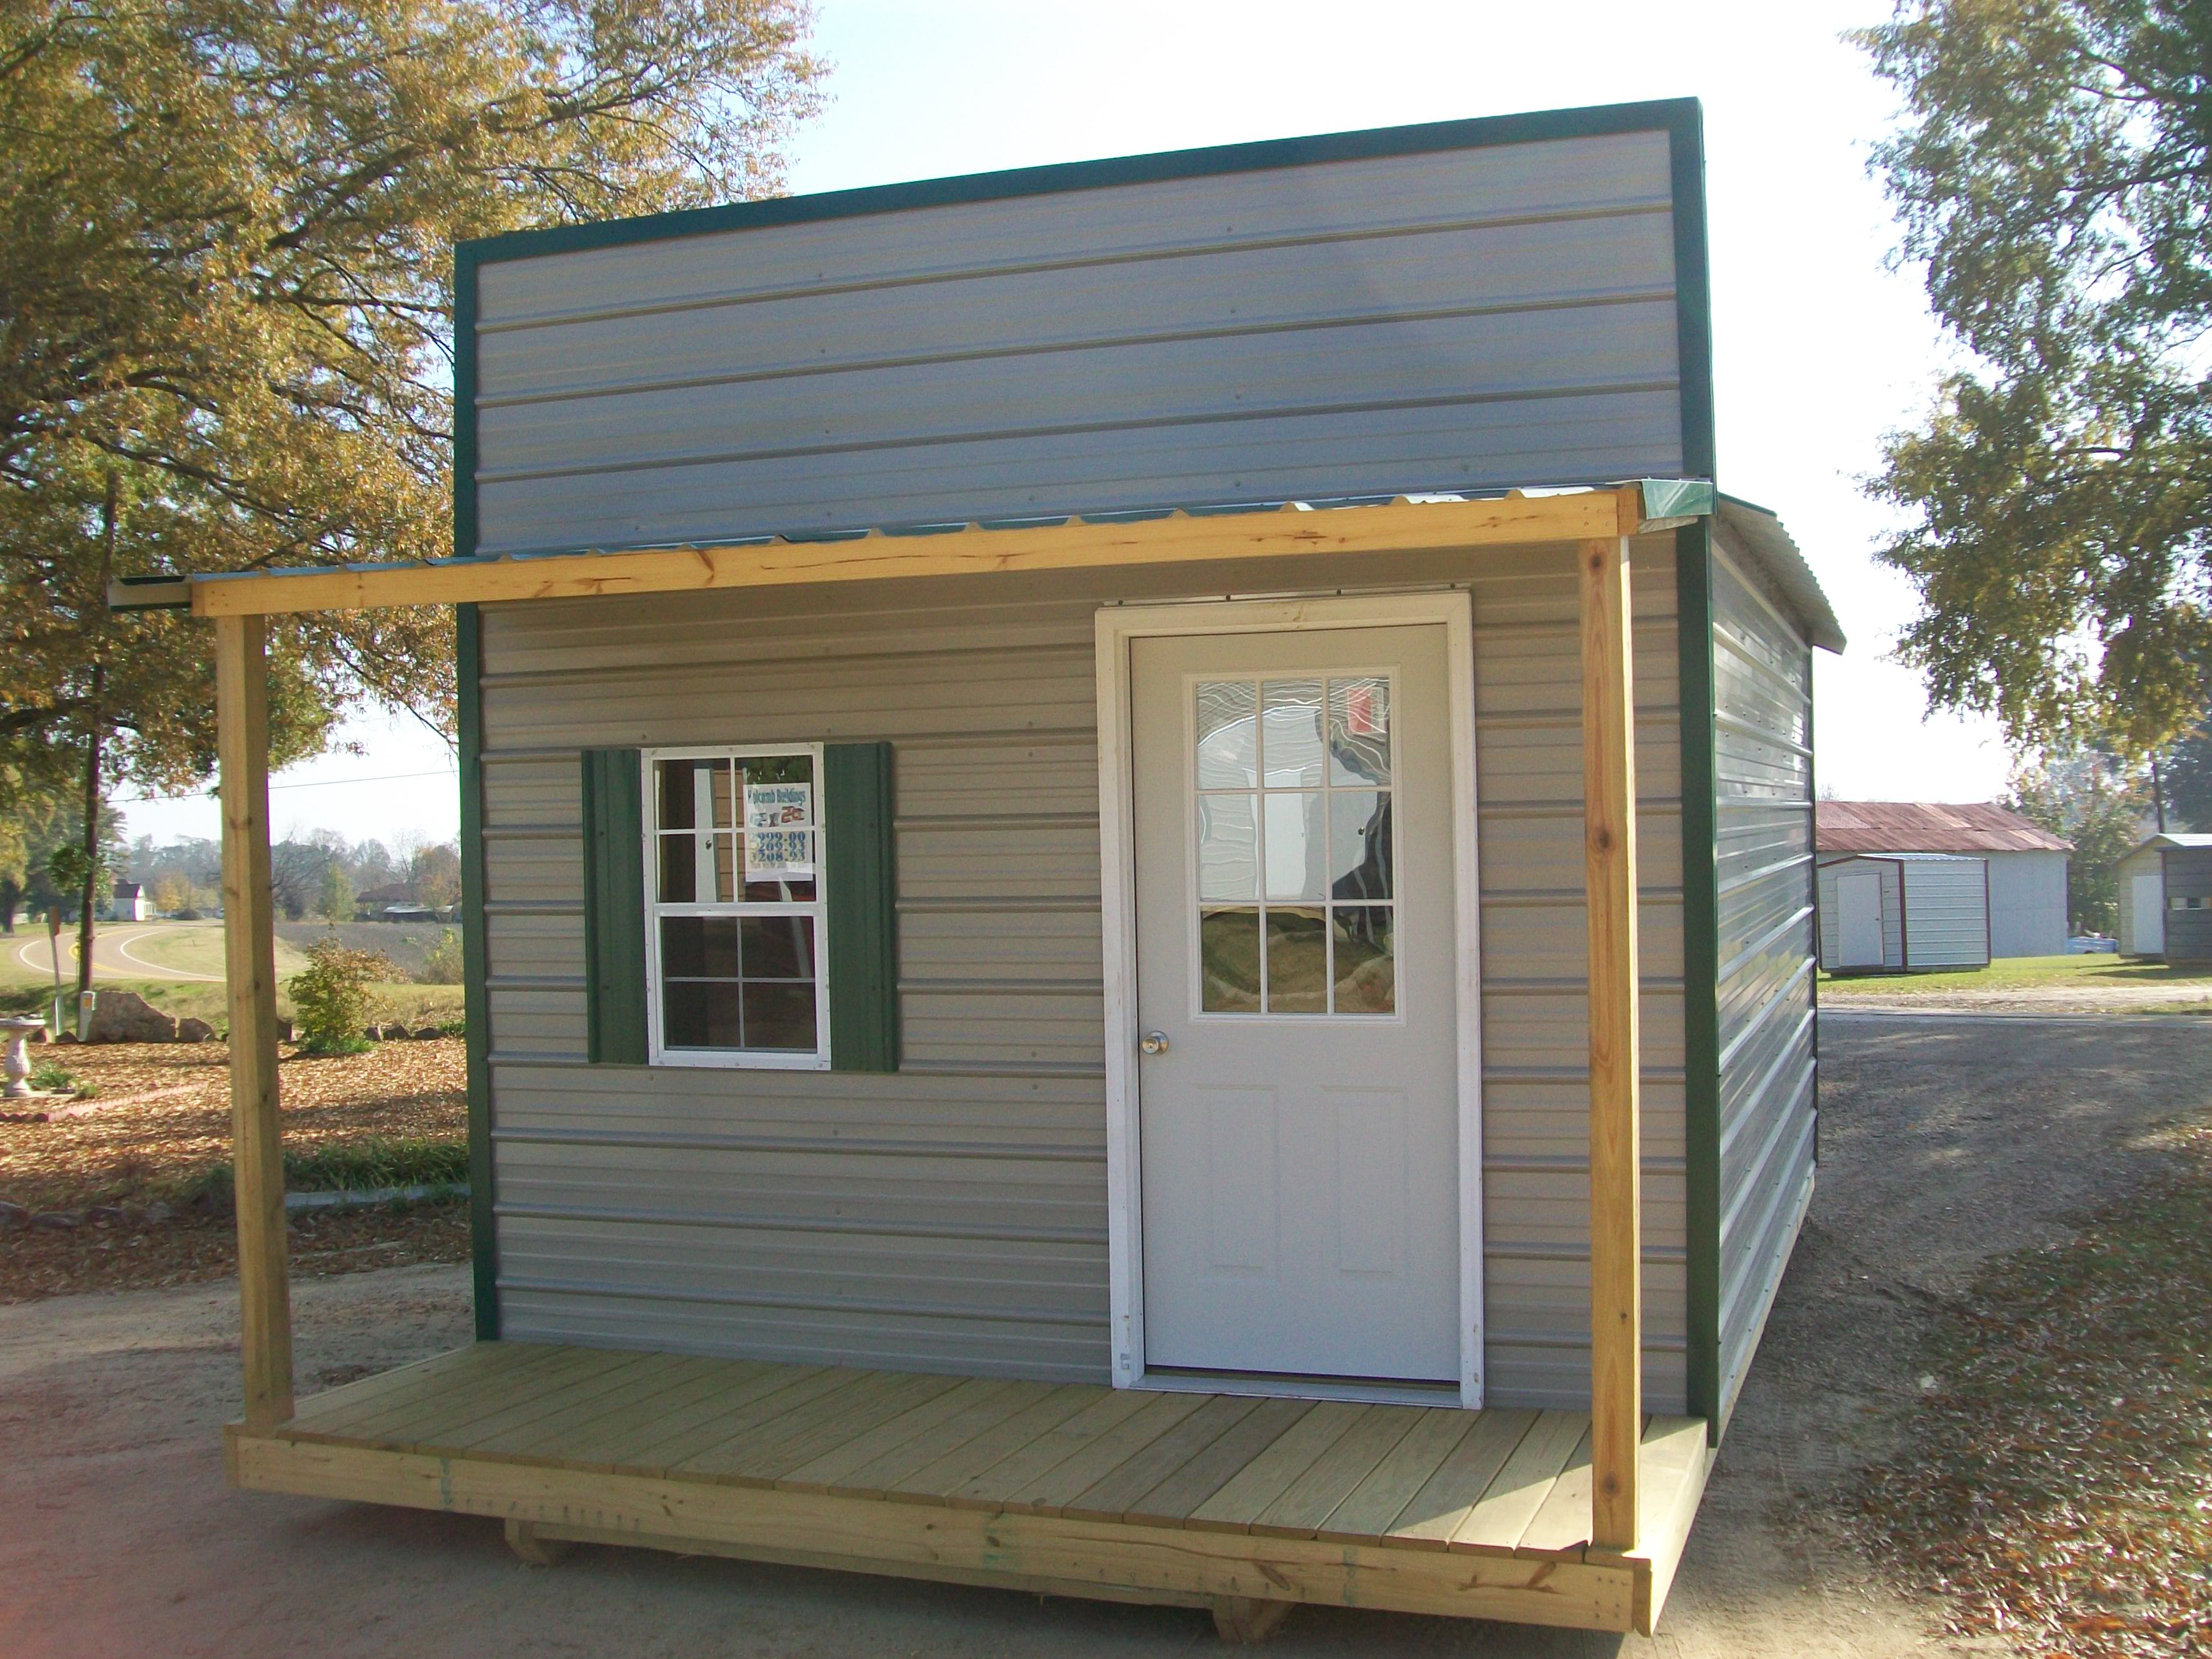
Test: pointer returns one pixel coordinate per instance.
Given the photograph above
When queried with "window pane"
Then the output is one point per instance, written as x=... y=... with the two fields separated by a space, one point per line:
x=679 y=869
x=699 y=947
x=1227 y=734
x=778 y=856
x=719 y=865
x=695 y=794
x=1298 y=962
x=701 y=1014
x=1359 y=731
x=779 y=947
x=778 y=768
x=1297 y=854
x=1228 y=848
x=678 y=810
x=778 y=1015
x=1290 y=737
x=1229 y=962
x=1360 y=844
x=1366 y=962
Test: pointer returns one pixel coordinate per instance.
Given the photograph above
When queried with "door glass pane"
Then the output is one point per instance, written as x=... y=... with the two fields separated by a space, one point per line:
x=1228 y=734
x=1366 y=965
x=1229 y=960
x=1298 y=962
x=1358 y=844
x=1228 y=848
x=1296 y=848
x=1290 y=739
x=1359 y=731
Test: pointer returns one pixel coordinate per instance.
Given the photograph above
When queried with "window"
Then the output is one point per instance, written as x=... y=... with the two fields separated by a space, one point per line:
x=1297 y=879
x=736 y=929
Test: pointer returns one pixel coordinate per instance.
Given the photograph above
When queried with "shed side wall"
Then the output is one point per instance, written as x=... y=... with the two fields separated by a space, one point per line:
x=2027 y=904
x=1946 y=913
x=951 y=1217
x=1769 y=947
x=2189 y=930
x=1453 y=319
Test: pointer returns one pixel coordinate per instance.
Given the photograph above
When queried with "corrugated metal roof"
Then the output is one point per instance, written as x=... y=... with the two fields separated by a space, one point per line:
x=1896 y=826
x=1775 y=548
x=2179 y=840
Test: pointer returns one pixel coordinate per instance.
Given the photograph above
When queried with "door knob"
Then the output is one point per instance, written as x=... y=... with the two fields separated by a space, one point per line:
x=1154 y=1042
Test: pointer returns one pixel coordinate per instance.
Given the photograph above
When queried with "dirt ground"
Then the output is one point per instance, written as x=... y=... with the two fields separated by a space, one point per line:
x=1943 y=1142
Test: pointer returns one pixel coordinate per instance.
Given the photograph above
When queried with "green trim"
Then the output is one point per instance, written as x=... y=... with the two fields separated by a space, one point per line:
x=862 y=947
x=1701 y=1125
x=614 y=1015
x=1676 y=498
x=464 y=402
x=1693 y=295
x=1676 y=116
x=483 y=1237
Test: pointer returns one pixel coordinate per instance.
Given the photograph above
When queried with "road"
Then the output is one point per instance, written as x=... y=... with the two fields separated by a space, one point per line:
x=111 y=955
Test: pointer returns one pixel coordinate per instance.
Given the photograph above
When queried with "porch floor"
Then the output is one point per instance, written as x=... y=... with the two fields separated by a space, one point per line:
x=1200 y=1499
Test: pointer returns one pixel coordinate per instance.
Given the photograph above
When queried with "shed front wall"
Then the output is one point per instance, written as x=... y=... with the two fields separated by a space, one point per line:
x=1890 y=875
x=1946 y=913
x=952 y=1217
x=2188 y=903
x=1493 y=317
x=2027 y=904
x=2143 y=861
x=1768 y=949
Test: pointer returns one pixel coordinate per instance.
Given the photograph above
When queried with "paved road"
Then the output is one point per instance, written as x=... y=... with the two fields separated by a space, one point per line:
x=111 y=955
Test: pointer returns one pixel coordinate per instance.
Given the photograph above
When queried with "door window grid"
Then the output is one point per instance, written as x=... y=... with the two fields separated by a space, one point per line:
x=735 y=908
x=1294 y=853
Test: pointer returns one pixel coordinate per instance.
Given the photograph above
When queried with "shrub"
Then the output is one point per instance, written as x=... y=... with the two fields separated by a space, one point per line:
x=330 y=996
x=442 y=966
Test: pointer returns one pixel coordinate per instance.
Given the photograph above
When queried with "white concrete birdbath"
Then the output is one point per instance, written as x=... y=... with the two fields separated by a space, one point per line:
x=17 y=1067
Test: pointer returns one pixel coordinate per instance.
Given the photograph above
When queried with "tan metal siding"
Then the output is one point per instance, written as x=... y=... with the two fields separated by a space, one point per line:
x=1769 y=946
x=1455 y=319
x=952 y=1216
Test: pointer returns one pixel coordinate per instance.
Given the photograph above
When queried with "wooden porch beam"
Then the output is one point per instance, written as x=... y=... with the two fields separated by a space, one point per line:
x=250 y=967
x=1073 y=544
x=1616 y=1177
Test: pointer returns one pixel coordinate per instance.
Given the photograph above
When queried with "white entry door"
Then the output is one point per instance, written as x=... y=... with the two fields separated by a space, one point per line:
x=2149 y=897
x=1296 y=951
x=1858 y=920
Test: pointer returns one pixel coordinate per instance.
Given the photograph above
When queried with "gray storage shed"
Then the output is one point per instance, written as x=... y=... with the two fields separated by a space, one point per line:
x=2165 y=898
x=1904 y=913
x=1093 y=796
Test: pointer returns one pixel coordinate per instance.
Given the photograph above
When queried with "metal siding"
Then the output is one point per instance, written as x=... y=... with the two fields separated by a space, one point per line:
x=1770 y=941
x=952 y=1216
x=2027 y=904
x=1947 y=914
x=1893 y=910
x=2188 y=876
x=1455 y=319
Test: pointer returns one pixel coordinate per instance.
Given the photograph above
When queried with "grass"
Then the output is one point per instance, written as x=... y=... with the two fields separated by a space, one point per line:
x=413 y=1006
x=2055 y=1486
x=343 y=1167
x=2023 y=973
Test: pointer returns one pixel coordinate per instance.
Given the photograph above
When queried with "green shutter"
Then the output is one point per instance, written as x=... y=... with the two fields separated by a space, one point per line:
x=863 y=942
x=614 y=907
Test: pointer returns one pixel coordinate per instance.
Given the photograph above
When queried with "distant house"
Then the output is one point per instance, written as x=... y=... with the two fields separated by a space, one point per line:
x=2166 y=899
x=2026 y=864
x=395 y=901
x=128 y=903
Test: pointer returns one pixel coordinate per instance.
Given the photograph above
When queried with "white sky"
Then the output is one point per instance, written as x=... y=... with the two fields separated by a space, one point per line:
x=1818 y=348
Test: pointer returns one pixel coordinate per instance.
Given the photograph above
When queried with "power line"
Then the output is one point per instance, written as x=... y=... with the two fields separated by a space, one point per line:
x=313 y=783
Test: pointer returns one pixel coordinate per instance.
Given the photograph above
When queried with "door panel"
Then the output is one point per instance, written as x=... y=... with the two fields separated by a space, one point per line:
x=1858 y=920
x=1298 y=1134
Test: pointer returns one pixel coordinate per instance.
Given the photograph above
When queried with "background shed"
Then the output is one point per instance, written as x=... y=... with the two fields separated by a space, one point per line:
x=1906 y=912
x=2166 y=899
x=2026 y=865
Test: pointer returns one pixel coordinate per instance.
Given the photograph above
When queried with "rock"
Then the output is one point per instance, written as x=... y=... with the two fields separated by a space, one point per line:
x=13 y=1214
x=39 y=1035
x=283 y=1029
x=427 y=1034
x=58 y=1221
x=107 y=1215
x=194 y=1031
x=155 y=1214
x=372 y=1032
x=66 y=1036
x=126 y=1017
x=393 y=1032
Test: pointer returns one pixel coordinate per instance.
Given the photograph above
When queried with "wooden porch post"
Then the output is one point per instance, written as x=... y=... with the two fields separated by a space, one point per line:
x=250 y=964
x=1616 y=1181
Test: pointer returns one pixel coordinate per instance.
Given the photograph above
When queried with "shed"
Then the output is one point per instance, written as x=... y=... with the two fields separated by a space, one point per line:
x=1904 y=913
x=1138 y=879
x=2165 y=898
x=2026 y=865
x=128 y=902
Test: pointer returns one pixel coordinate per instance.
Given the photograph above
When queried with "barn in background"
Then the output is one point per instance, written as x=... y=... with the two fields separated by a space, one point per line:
x=2026 y=864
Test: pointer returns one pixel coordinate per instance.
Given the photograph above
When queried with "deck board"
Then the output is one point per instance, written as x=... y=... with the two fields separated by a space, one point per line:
x=1074 y=1488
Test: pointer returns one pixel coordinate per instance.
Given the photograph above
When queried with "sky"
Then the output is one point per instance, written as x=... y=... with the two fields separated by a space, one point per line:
x=1820 y=347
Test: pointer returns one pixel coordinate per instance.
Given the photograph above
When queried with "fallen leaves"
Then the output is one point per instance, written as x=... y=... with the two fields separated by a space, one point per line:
x=2054 y=1488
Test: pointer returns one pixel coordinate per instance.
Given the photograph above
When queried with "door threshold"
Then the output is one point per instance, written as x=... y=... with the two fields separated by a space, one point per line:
x=1371 y=1390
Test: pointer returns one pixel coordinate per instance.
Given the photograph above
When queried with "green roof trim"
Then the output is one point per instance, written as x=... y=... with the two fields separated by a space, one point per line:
x=1677 y=498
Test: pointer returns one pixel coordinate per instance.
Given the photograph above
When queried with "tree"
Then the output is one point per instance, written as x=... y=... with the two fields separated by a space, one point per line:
x=435 y=875
x=2054 y=174
x=2085 y=797
x=335 y=901
x=227 y=295
x=172 y=892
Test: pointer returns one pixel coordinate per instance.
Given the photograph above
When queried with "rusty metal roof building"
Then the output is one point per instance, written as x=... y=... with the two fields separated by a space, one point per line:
x=1900 y=826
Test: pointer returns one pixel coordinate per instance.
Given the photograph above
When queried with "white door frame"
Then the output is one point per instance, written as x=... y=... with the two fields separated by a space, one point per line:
x=1117 y=626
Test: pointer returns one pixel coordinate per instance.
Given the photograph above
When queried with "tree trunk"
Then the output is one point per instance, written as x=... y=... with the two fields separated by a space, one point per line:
x=11 y=899
x=95 y=732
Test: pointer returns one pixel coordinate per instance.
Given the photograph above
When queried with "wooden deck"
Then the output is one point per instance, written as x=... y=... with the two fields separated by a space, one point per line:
x=1191 y=1499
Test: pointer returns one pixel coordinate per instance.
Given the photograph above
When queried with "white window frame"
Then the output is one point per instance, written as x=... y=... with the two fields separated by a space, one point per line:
x=773 y=1060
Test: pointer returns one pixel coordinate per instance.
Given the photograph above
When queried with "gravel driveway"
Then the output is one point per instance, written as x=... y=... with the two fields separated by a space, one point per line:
x=1943 y=1142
